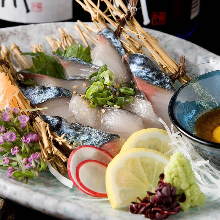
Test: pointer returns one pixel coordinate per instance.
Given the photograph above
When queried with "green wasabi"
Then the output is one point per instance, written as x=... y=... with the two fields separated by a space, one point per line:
x=179 y=173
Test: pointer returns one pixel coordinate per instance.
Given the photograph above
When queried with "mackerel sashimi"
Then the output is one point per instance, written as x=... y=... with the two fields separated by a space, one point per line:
x=58 y=107
x=83 y=113
x=42 y=80
x=155 y=84
x=77 y=133
x=40 y=94
x=75 y=68
x=105 y=53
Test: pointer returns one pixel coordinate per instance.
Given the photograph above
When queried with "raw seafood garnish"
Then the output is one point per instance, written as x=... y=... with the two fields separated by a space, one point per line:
x=19 y=146
x=161 y=204
x=46 y=64
x=76 y=50
x=103 y=90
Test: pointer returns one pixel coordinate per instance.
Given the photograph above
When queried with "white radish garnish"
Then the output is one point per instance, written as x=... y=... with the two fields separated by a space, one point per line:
x=90 y=175
x=81 y=154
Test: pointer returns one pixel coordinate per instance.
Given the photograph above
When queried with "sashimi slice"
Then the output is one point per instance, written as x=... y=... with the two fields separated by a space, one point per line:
x=76 y=68
x=78 y=86
x=105 y=54
x=158 y=97
x=143 y=108
x=90 y=175
x=58 y=107
x=120 y=122
x=83 y=113
x=82 y=153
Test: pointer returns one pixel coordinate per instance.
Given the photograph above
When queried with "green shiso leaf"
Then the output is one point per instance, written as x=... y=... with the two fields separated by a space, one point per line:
x=76 y=50
x=46 y=65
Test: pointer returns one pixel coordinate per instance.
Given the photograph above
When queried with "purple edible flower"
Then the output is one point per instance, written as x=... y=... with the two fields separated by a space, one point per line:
x=31 y=137
x=34 y=137
x=26 y=139
x=5 y=116
x=15 y=150
x=7 y=109
x=10 y=136
x=16 y=110
x=34 y=156
x=25 y=160
x=5 y=160
x=28 y=165
x=2 y=129
x=10 y=171
x=23 y=119
x=1 y=140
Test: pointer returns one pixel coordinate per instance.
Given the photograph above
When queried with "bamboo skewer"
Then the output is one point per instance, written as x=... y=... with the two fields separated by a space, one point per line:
x=134 y=37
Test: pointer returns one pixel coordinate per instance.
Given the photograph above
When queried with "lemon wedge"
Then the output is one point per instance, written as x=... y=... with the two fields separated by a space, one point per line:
x=151 y=138
x=131 y=174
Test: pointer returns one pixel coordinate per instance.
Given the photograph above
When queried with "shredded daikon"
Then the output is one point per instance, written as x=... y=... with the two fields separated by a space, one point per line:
x=206 y=175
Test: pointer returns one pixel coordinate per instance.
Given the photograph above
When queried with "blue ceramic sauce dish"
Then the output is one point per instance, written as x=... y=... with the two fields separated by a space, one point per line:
x=189 y=102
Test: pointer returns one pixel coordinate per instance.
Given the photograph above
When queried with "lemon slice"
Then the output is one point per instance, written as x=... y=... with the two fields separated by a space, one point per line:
x=131 y=174
x=151 y=138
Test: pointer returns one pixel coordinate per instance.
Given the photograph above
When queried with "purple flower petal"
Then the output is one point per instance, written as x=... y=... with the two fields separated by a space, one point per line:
x=10 y=171
x=16 y=110
x=5 y=160
x=2 y=141
x=25 y=160
x=23 y=119
x=6 y=116
x=15 y=150
x=28 y=165
x=10 y=136
x=2 y=129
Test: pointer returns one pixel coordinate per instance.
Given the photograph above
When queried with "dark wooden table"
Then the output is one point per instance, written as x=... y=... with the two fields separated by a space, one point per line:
x=12 y=211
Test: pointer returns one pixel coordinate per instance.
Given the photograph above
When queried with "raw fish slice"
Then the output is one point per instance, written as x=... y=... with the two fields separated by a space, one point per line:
x=58 y=107
x=40 y=94
x=141 y=66
x=83 y=113
x=109 y=34
x=121 y=122
x=76 y=68
x=105 y=53
x=143 y=108
x=42 y=80
x=77 y=133
x=158 y=97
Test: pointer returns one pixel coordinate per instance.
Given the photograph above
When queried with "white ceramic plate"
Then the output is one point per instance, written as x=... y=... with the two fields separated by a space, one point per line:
x=46 y=194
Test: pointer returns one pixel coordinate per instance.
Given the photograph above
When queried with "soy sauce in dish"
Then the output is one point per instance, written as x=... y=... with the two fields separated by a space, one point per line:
x=207 y=126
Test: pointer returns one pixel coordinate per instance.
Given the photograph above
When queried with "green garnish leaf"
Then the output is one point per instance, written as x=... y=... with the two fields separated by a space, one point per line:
x=104 y=92
x=76 y=50
x=46 y=65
